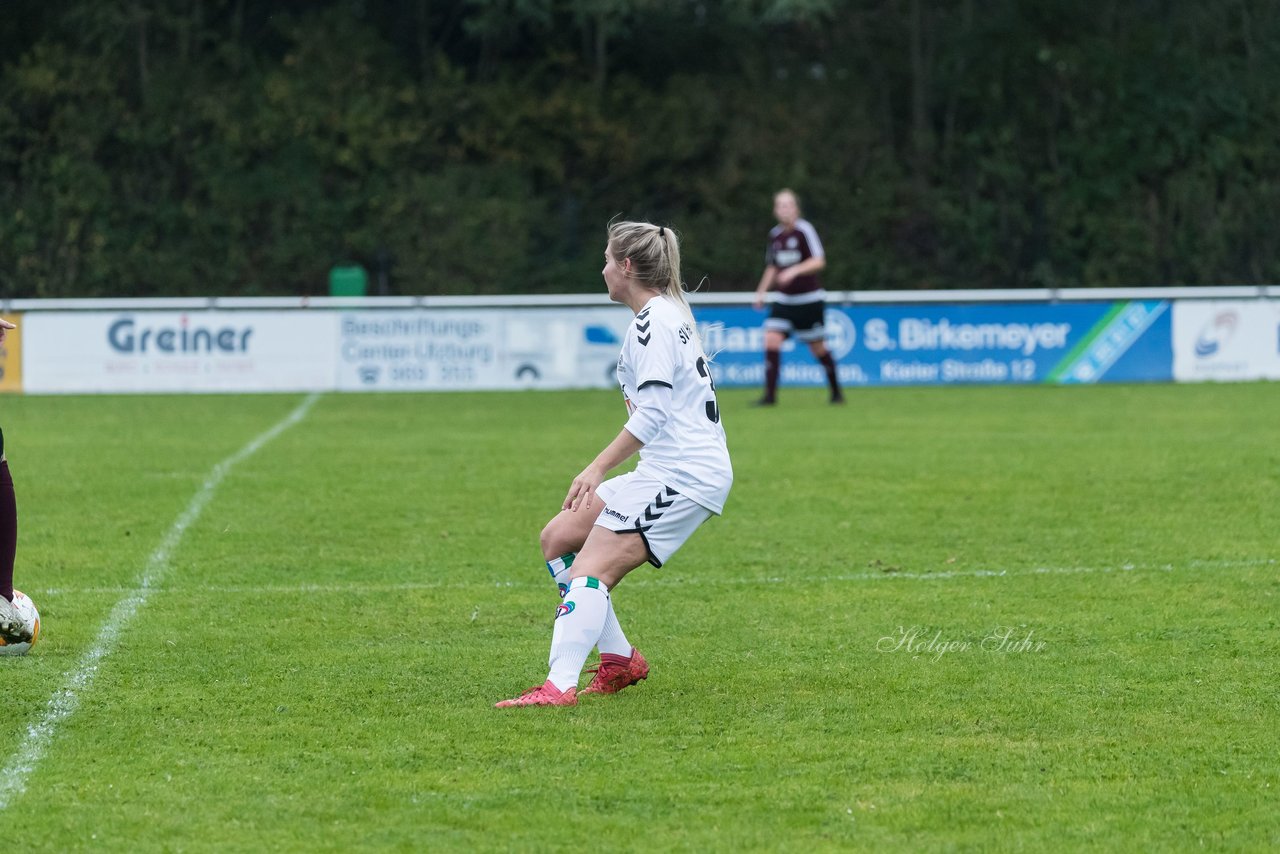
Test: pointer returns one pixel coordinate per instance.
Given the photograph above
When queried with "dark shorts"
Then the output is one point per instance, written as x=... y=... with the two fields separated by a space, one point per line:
x=804 y=321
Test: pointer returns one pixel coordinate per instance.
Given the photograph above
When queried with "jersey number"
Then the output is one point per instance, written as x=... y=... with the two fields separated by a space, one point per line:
x=713 y=411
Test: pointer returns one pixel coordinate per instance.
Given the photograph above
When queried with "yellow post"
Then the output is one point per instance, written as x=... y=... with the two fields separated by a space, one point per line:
x=11 y=358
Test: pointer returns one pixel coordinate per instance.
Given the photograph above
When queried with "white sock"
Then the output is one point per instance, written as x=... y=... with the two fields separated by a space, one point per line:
x=559 y=569
x=579 y=621
x=612 y=640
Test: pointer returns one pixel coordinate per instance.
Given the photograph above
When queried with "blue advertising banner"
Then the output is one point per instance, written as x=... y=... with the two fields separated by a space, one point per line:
x=941 y=344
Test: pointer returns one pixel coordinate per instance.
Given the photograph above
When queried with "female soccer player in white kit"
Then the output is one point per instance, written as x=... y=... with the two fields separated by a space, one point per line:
x=606 y=528
x=13 y=629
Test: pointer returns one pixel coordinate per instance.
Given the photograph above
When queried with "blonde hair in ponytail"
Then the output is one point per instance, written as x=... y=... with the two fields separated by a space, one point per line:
x=654 y=251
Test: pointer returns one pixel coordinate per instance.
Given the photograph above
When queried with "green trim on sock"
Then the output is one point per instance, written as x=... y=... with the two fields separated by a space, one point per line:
x=587 y=581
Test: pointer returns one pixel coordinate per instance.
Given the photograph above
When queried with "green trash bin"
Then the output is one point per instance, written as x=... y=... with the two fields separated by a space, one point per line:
x=350 y=281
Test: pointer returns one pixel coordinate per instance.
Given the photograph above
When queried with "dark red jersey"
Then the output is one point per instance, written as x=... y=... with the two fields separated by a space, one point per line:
x=788 y=248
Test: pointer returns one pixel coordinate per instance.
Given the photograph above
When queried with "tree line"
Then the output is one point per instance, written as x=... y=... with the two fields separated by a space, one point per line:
x=182 y=147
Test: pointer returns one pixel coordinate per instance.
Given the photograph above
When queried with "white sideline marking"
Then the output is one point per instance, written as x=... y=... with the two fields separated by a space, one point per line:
x=537 y=580
x=13 y=779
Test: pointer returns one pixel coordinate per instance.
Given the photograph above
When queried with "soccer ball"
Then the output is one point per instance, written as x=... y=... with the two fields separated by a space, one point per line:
x=27 y=609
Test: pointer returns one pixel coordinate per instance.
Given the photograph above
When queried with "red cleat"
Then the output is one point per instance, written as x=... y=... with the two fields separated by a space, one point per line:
x=616 y=673
x=545 y=694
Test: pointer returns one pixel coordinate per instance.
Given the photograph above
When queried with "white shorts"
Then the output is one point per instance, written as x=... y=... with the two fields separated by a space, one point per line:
x=664 y=519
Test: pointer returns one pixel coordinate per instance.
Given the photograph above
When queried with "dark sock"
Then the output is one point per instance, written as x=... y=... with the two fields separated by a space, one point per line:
x=772 y=365
x=8 y=531
x=832 y=380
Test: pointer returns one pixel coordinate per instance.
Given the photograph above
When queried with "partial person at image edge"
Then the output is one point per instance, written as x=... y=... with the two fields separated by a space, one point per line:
x=13 y=628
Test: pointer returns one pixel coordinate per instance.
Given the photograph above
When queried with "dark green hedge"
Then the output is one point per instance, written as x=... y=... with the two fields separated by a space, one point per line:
x=226 y=147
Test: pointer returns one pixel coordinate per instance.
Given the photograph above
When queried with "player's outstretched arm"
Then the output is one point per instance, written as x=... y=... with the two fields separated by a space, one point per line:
x=766 y=282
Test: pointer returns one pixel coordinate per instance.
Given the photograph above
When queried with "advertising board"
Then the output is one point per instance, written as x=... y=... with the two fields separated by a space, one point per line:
x=1226 y=340
x=440 y=349
x=945 y=344
x=91 y=352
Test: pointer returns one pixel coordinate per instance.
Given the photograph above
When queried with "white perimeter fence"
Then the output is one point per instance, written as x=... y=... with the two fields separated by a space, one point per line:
x=429 y=343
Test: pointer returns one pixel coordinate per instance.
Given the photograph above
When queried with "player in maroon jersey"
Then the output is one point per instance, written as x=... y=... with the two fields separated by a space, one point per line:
x=12 y=627
x=791 y=268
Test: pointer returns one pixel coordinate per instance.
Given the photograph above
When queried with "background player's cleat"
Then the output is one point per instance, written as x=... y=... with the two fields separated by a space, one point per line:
x=837 y=399
x=616 y=673
x=545 y=694
x=13 y=627
x=765 y=401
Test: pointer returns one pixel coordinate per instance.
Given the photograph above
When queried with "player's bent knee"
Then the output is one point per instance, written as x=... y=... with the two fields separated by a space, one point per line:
x=551 y=541
x=559 y=537
x=546 y=537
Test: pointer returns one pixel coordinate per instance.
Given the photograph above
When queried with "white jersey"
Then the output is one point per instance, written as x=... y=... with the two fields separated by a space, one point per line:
x=689 y=453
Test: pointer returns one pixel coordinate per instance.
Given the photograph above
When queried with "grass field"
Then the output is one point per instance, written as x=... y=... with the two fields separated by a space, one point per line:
x=935 y=619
